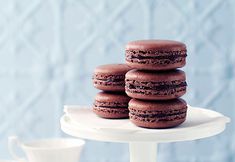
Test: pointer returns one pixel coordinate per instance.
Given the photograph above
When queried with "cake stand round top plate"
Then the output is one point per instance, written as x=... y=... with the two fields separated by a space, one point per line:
x=82 y=122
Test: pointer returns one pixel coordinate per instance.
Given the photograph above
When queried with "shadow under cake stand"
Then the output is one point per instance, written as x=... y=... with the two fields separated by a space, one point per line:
x=83 y=123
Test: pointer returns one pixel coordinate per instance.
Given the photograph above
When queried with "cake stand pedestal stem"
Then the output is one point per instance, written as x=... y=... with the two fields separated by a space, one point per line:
x=143 y=151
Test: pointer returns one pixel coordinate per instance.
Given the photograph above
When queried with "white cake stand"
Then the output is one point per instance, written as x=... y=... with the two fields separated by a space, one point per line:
x=82 y=122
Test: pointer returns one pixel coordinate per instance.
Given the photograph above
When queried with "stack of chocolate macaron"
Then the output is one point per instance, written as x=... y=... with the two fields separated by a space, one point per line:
x=147 y=89
x=112 y=102
x=155 y=83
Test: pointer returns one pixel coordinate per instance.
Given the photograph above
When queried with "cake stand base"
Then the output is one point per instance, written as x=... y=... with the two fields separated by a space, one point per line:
x=143 y=151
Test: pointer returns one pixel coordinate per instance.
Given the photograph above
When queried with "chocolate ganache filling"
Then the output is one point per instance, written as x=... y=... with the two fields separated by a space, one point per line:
x=169 y=57
x=110 y=105
x=160 y=115
x=157 y=87
x=109 y=78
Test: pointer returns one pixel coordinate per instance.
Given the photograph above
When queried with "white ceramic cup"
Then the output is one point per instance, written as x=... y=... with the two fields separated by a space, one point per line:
x=48 y=150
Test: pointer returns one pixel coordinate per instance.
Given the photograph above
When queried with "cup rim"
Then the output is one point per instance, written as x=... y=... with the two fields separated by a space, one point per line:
x=76 y=143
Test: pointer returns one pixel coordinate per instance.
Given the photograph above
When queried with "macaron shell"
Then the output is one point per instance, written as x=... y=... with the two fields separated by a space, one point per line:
x=165 y=45
x=165 y=124
x=142 y=105
x=155 y=76
x=112 y=97
x=162 y=67
x=112 y=69
x=150 y=96
x=111 y=113
x=109 y=87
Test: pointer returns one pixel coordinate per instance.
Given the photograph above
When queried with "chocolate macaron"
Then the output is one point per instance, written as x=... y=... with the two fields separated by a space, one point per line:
x=157 y=114
x=156 y=54
x=155 y=85
x=110 y=77
x=111 y=105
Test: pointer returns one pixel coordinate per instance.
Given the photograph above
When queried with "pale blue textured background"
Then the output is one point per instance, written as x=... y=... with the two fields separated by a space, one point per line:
x=48 y=50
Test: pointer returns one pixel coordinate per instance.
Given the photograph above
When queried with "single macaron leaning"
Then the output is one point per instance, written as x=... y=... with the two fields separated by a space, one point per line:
x=156 y=54
x=155 y=85
x=111 y=105
x=157 y=114
x=110 y=77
